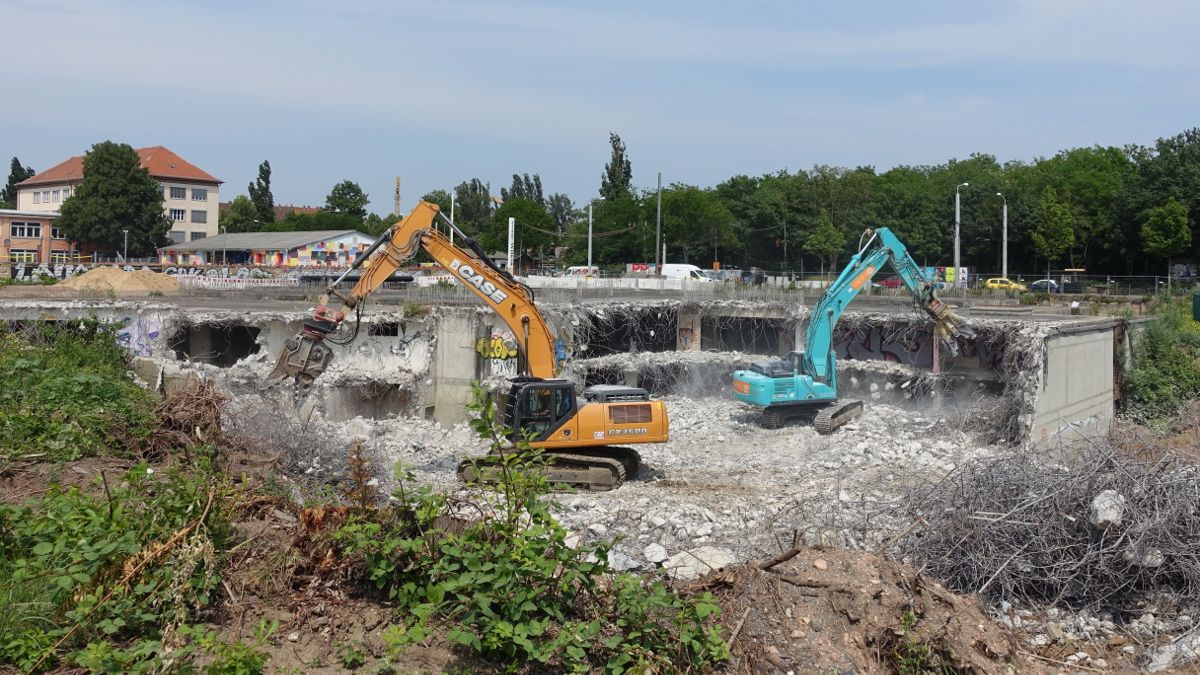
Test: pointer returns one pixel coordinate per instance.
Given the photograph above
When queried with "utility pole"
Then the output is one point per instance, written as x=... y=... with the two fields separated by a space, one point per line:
x=589 y=265
x=1004 y=238
x=125 y=255
x=658 y=230
x=396 y=207
x=957 y=221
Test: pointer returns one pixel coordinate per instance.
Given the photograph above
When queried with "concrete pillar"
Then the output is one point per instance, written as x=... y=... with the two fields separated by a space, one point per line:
x=688 y=330
x=454 y=365
x=200 y=344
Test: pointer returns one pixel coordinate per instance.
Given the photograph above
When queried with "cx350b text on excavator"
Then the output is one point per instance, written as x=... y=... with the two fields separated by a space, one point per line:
x=580 y=435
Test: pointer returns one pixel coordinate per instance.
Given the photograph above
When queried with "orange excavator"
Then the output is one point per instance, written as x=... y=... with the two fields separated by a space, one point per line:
x=577 y=436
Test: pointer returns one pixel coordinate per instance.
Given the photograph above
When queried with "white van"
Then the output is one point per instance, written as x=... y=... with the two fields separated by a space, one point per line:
x=689 y=272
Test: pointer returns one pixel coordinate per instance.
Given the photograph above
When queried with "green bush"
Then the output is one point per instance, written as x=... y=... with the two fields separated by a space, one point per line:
x=1164 y=374
x=101 y=579
x=67 y=393
x=510 y=587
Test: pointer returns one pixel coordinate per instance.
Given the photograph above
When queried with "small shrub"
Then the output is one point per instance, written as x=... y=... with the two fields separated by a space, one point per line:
x=508 y=585
x=1164 y=373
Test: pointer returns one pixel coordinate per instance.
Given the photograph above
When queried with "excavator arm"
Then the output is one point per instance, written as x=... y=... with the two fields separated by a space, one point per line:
x=881 y=248
x=305 y=356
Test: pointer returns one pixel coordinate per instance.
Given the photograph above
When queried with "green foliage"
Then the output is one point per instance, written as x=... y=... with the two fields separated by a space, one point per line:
x=348 y=198
x=67 y=393
x=617 y=181
x=351 y=655
x=510 y=588
x=16 y=174
x=309 y=222
x=99 y=579
x=241 y=216
x=260 y=194
x=1166 y=232
x=473 y=206
x=535 y=228
x=1055 y=232
x=695 y=220
x=1164 y=373
x=825 y=241
x=914 y=654
x=116 y=194
x=524 y=187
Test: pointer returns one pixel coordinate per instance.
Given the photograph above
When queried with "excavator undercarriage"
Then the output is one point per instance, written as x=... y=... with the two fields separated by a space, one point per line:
x=595 y=469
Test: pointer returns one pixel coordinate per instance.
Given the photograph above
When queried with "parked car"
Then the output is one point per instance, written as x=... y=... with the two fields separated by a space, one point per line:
x=1002 y=284
x=1044 y=286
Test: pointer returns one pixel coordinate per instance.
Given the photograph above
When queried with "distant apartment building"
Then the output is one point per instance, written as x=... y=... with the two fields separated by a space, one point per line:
x=190 y=195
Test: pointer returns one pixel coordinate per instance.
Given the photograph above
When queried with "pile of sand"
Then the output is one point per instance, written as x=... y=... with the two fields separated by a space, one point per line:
x=114 y=279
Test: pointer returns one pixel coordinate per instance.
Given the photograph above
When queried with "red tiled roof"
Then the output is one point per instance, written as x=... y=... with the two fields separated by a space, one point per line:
x=159 y=161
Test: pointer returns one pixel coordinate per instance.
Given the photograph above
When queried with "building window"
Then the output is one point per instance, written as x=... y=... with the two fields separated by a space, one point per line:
x=37 y=198
x=45 y=196
x=54 y=196
x=199 y=216
x=26 y=230
x=178 y=193
x=178 y=236
x=22 y=255
x=198 y=235
x=199 y=194
x=60 y=256
x=178 y=215
x=56 y=233
x=66 y=193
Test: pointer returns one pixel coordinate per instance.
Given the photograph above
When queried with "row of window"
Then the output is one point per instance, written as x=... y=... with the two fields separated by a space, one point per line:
x=32 y=231
x=179 y=236
x=178 y=215
x=198 y=194
x=51 y=196
x=18 y=255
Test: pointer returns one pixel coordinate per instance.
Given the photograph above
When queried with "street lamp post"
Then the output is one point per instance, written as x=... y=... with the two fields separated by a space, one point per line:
x=224 y=247
x=957 y=224
x=125 y=254
x=589 y=266
x=1004 y=238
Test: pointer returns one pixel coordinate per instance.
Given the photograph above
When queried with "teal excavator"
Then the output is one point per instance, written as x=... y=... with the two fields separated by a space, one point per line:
x=804 y=385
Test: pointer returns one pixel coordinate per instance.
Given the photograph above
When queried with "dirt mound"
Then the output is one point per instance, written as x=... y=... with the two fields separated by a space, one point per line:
x=117 y=280
x=837 y=611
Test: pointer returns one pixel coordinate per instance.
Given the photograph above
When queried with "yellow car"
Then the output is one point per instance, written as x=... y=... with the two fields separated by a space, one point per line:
x=1002 y=284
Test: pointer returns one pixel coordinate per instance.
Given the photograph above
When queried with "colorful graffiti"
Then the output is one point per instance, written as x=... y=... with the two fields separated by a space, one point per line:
x=140 y=335
x=500 y=353
x=32 y=272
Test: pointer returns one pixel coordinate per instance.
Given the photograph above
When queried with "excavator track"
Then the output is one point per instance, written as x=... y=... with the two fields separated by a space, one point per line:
x=829 y=418
x=596 y=470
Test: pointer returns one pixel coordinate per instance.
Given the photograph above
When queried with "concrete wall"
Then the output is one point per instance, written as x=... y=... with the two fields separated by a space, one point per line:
x=455 y=365
x=1077 y=395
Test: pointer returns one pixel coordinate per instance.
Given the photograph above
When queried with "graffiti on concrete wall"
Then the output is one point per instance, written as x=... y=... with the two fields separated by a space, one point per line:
x=140 y=335
x=34 y=271
x=500 y=353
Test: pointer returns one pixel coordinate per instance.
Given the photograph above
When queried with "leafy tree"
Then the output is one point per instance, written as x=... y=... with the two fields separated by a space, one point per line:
x=1055 y=232
x=825 y=241
x=441 y=198
x=347 y=197
x=695 y=220
x=618 y=173
x=561 y=211
x=524 y=187
x=260 y=194
x=474 y=206
x=18 y=173
x=1166 y=232
x=116 y=194
x=535 y=229
x=374 y=225
x=308 y=222
x=241 y=216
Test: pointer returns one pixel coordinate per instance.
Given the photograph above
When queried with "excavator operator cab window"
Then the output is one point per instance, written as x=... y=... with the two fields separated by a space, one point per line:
x=543 y=407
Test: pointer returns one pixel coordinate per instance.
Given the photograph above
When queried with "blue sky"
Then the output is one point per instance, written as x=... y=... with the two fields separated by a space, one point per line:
x=439 y=92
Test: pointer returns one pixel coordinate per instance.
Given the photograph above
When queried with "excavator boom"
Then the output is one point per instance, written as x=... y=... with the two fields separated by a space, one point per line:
x=538 y=405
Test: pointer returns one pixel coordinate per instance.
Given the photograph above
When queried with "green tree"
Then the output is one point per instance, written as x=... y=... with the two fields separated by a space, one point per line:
x=241 y=216
x=473 y=206
x=1166 y=232
x=441 y=198
x=1055 y=232
x=347 y=197
x=617 y=180
x=825 y=241
x=18 y=173
x=308 y=222
x=534 y=227
x=524 y=187
x=695 y=220
x=260 y=194
x=116 y=194
x=561 y=210
x=374 y=225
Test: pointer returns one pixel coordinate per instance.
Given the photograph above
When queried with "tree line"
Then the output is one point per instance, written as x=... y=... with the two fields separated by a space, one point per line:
x=1128 y=210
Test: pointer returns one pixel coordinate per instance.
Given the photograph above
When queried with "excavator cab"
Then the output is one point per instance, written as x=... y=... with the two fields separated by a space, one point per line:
x=536 y=408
